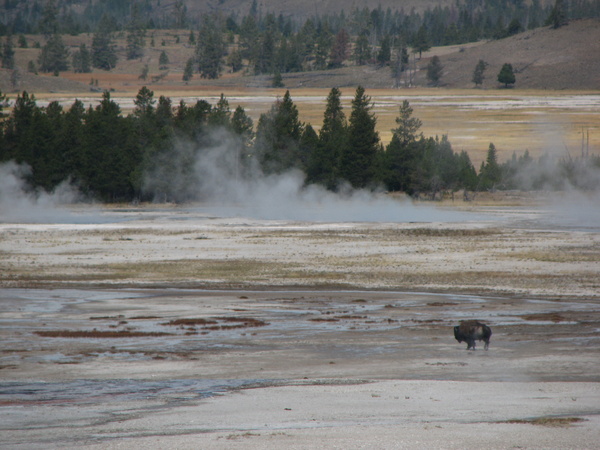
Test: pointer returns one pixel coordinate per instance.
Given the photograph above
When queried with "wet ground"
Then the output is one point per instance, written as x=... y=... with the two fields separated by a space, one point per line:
x=79 y=359
x=107 y=341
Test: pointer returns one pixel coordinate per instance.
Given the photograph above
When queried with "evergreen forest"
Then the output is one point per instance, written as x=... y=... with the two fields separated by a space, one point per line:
x=166 y=152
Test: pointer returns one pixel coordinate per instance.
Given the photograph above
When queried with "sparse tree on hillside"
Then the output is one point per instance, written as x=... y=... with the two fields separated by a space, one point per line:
x=104 y=54
x=421 y=43
x=339 y=49
x=434 y=70
x=277 y=81
x=264 y=54
x=188 y=71
x=362 y=49
x=210 y=50
x=558 y=15
x=506 y=75
x=235 y=61
x=136 y=35
x=478 y=73
x=514 y=27
x=385 y=51
x=82 y=60
x=145 y=71
x=8 y=53
x=48 y=24
x=163 y=60
x=322 y=50
x=54 y=56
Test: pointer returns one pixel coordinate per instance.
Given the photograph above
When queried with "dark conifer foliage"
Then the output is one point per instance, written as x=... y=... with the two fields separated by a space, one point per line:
x=323 y=159
x=54 y=56
x=154 y=152
x=358 y=157
x=104 y=54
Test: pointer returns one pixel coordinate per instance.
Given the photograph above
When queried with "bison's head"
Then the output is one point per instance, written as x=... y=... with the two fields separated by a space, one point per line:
x=457 y=334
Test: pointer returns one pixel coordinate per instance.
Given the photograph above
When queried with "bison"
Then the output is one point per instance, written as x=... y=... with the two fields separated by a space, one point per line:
x=470 y=331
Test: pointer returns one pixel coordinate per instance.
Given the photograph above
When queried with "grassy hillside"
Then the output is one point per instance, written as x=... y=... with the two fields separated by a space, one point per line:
x=544 y=58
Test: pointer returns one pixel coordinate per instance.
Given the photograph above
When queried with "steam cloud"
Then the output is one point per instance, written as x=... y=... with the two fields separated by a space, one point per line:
x=218 y=179
x=19 y=204
x=214 y=177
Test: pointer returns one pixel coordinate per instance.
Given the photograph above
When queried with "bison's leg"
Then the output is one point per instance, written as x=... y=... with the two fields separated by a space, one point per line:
x=487 y=344
x=470 y=344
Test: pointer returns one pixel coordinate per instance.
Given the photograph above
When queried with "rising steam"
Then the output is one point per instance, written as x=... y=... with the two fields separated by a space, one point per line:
x=219 y=179
x=20 y=204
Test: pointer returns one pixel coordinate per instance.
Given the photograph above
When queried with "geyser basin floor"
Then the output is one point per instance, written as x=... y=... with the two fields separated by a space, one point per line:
x=317 y=363
x=345 y=367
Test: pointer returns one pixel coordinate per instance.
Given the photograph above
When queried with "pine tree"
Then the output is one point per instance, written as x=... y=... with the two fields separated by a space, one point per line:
x=22 y=41
x=54 y=56
x=402 y=154
x=339 y=49
x=322 y=50
x=242 y=124
x=490 y=174
x=82 y=60
x=48 y=24
x=277 y=137
x=466 y=172
x=558 y=15
x=434 y=70
x=264 y=57
x=408 y=126
x=210 y=50
x=322 y=162
x=385 y=52
x=421 y=43
x=357 y=160
x=136 y=35
x=163 y=60
x=514 y=27
x=144 y=102
x=235 y=61
x=188 y=71
x=145 y=71
x=478 y=73
x=277 y=81
x=3 y=103
x=220 y=114
x=8 y=53
x=362 y=50
x=104 y=54
x=506 y=75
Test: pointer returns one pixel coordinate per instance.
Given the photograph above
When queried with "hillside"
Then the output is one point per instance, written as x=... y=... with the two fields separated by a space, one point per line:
x=308 y=8
x=566 y=58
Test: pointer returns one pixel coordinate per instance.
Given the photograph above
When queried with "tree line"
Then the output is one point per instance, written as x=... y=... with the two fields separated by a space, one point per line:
x=266 y=43
x=154 y=152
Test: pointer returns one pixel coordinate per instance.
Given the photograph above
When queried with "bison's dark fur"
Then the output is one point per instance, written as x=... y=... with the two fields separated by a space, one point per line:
x=470 y=331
